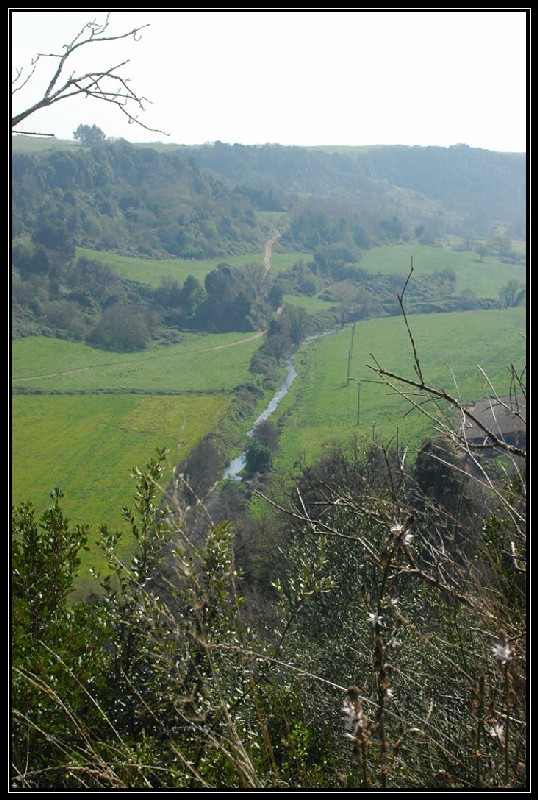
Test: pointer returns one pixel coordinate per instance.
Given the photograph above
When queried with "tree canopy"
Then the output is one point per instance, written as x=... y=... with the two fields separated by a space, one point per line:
x=89 y=135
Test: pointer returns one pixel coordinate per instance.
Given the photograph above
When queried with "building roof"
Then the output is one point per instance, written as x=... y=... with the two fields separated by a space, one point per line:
x=504 y=417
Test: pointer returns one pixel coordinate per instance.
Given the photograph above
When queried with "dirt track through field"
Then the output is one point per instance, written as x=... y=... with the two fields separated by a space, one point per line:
x=269 y=252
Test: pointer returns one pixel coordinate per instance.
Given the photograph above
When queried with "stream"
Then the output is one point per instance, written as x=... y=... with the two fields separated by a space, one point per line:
x=236 y=466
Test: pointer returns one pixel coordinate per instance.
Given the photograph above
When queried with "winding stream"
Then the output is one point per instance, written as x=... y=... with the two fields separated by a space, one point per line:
x=236 y=466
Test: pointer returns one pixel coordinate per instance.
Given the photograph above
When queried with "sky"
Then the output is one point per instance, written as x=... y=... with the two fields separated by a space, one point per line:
x=293 y=77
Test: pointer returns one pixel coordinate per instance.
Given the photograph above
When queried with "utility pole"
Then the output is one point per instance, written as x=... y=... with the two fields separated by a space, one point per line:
x=350 y=353
x=358 y=397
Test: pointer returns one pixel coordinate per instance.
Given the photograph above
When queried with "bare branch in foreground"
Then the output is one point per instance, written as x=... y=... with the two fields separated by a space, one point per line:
x=107 y=85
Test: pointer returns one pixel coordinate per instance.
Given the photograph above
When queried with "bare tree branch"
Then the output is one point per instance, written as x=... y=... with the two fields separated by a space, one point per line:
x=106 y=85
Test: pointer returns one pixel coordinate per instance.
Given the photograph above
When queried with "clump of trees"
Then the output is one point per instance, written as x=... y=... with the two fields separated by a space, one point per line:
x=385 y=653
x=89 y=135
x=513 y=294
x=56 y=294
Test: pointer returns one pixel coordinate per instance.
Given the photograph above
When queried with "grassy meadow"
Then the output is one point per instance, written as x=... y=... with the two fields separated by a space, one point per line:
x=196 y=364
x=323 y=407
x=38 y=144
x=484 y=278
x=312 y=305
x=88 y=444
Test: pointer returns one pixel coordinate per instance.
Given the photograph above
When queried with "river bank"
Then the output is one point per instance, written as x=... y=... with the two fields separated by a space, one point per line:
x=237 y=465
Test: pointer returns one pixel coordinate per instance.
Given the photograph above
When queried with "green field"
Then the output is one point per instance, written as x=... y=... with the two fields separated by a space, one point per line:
x=150 y=271
x=88 y=443
x=37 y=144
x=484 y=278
x=311 y=305
x=322 y=407
x=87 y=446
x=197 y=364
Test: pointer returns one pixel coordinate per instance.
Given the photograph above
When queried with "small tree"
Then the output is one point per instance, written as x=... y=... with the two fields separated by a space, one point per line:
x=89 y=136
x=259 y=458
x=267 y=433
x=45 y=560
x=275 y=297
x=512 y=294
x=191 y=295
x=122 y=328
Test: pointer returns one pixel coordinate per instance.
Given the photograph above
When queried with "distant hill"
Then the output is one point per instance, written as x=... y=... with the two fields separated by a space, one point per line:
x=123 y=198
x=200 y=201
x=219 y=201
x=470 y=190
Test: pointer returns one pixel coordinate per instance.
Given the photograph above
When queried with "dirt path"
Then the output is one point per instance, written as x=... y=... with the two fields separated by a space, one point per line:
x=231 y=344
x=275 y=234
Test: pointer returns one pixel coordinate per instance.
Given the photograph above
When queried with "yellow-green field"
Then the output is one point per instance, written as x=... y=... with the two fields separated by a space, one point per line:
x=311 y=305
x=103 y=413
x=87 y=445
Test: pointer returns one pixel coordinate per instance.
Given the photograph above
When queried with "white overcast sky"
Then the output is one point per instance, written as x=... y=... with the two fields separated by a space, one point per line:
x=295 y=77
